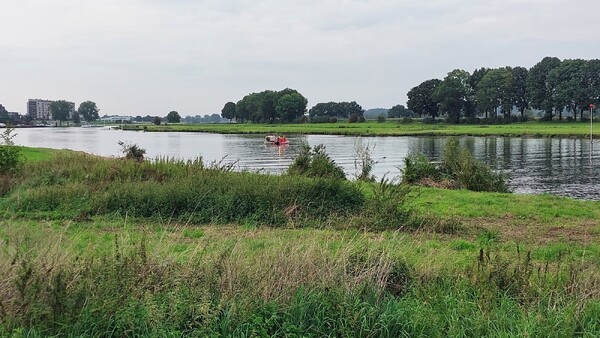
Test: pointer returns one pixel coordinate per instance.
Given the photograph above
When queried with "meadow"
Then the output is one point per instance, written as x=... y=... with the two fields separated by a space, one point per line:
x=388 y=128
x=112 y=247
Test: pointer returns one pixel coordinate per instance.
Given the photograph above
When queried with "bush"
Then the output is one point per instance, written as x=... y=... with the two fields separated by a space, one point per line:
x=132 y=151
x=315 y=163
x=11 y=158
x=430 y=120
x=458 y=166
x=470 y=174
x=320 y=119
x=353 y=118
x=364 y=162
x=380 y=118
x=417 y=167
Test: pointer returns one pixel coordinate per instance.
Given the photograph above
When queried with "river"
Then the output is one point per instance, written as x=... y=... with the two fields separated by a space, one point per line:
x=561 y=166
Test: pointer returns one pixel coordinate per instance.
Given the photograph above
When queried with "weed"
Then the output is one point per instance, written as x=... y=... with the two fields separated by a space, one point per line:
x=314 y=162
x=132 y=151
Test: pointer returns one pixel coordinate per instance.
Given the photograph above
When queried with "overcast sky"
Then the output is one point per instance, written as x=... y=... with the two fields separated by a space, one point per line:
x=138 y=57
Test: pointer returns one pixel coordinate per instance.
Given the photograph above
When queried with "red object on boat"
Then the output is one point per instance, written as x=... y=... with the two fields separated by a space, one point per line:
x=276 y=140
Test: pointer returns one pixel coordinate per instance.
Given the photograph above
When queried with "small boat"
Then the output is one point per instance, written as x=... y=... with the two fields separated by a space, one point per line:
x=276 y=140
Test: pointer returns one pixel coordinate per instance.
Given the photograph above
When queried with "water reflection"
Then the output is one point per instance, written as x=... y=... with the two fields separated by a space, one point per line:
x=569 y=167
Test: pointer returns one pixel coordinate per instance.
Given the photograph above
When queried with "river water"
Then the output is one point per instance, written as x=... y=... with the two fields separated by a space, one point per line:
x=567 y=167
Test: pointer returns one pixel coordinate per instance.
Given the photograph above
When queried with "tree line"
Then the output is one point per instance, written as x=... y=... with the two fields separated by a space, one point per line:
x=552 y=86
x=268 y=106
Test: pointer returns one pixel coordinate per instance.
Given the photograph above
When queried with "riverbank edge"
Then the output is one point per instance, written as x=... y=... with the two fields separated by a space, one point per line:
x=344 y=130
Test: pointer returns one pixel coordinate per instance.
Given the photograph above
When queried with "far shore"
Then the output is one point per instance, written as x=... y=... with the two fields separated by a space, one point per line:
x=526 y=129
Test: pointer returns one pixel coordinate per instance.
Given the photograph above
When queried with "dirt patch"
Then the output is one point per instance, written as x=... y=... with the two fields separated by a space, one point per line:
x=524 y=230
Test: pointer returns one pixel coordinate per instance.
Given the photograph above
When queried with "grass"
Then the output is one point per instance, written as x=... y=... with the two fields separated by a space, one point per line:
x=107 y=247
x=130 y=278
x=529 y=129
x=40 y=154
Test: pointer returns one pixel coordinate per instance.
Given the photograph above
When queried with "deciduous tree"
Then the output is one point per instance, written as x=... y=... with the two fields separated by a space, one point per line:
x=88 y=111
x=420 y=98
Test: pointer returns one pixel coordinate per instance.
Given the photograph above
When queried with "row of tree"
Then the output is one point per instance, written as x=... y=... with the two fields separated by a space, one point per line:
x=552 y=86
x=267 y=106
x=62 y=110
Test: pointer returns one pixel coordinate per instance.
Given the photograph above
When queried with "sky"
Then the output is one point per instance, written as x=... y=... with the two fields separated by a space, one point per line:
x=148 y=57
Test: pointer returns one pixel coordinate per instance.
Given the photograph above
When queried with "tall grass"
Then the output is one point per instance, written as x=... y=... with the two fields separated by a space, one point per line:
x=78 y=185
x=301 y=288
x=458 y=168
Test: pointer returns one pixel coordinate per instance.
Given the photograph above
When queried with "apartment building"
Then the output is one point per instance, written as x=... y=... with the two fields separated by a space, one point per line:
x=40 y=109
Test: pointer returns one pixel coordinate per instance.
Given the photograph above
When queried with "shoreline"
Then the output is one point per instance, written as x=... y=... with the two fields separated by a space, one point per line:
x=573 y=130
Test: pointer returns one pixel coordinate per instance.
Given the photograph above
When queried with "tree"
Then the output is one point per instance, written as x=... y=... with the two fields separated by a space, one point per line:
x=76 y=117
x=88 y=111
x=569 y=86
x=420 y=98
x=539 y=90
x=519 y=91
x=173 y=117
x=453 y=94
x=228 y=111
x=60 y=110
x=399 y=111
x=337 y=109
x=156 y=120
x=496 y=90
x=291 y=106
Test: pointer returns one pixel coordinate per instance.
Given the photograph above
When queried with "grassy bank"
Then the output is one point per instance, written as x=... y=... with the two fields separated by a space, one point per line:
x=127 y=278
x=528 y=129
x=107 y=247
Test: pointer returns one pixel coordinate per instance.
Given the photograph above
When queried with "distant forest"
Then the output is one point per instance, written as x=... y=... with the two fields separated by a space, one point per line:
x=553 y=87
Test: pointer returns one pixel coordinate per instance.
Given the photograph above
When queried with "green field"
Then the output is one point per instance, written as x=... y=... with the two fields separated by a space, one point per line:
x=529 y=129
x=107 y=247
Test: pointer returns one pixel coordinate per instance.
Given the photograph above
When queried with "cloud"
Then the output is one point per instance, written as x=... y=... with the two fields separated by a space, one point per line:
x=153 y=56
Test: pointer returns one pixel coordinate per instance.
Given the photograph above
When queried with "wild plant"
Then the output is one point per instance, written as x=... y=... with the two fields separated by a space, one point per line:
x=11 y=159
x=364 y=162
x=132 y=151
x=315 y=163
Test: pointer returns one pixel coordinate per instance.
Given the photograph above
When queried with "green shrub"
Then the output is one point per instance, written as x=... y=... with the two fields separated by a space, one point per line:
x=458 y=166
x=470 y=174
x=418 y=166
x=11 y=158
x=315 y=163
x=132 y=151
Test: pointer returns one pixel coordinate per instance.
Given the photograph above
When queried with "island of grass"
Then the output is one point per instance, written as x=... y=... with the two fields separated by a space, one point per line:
x=388 y=128
x=92 y=246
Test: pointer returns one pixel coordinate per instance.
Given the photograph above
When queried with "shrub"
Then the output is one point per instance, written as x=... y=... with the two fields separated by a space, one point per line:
x=320 y=119
x=353 y=118
x=315 y=163
x=364 y=162
x=417 y=167
x=471 y=174
x=458 y=166
x=429 y=120
x=132 y=151
x=11 y=158
x=380 y=118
